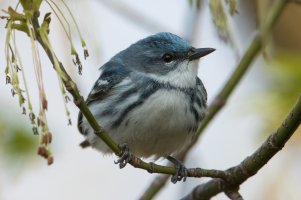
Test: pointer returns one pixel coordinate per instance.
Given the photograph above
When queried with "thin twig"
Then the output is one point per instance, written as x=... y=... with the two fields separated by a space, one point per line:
x=157 y=184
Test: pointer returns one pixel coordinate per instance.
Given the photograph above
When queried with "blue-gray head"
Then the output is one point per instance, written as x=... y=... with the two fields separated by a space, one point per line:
x=160 y=54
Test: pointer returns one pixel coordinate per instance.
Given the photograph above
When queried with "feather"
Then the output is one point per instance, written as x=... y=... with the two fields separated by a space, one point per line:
x=112 y=73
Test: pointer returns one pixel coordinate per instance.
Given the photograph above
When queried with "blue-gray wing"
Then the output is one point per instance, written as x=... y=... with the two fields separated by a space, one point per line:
x=112 y=74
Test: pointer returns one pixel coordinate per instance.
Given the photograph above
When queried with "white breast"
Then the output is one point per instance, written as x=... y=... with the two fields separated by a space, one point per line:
x=160 y=127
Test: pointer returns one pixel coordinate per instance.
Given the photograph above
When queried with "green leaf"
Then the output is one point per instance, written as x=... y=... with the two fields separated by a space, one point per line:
x=31 y=5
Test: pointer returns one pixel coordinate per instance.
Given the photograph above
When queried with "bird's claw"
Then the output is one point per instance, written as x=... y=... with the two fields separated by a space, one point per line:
x=181 y=170
x=125 y=156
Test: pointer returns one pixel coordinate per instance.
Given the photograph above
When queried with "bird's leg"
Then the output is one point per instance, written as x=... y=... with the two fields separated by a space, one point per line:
x=125 y=156
x=181 y=170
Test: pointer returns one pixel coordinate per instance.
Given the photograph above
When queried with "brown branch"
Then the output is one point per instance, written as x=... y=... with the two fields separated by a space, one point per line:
x=233 y=194
x=252 y=164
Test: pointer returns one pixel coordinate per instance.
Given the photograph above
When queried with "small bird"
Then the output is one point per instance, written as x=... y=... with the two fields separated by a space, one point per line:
x=149 y=97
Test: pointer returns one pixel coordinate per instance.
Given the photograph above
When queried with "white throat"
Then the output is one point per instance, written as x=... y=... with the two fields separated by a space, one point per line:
x=184 y=76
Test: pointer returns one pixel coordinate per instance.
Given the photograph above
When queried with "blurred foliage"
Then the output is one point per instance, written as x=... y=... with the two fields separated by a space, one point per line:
x=219 y=19
x=262 y=10
x=17 y=143
x=232 y=6
x=282 y=89
x=197 y=3
x=218 y=14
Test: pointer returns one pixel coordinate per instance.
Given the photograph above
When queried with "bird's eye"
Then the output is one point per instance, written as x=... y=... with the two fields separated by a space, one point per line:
x=167 y=58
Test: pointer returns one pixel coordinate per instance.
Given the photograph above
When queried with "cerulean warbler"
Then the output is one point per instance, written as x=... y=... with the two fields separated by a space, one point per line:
x=149 y=97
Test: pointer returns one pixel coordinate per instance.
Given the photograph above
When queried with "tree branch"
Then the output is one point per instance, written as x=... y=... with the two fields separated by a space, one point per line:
x=233 y=194
x=252 y=164
x=249 y=56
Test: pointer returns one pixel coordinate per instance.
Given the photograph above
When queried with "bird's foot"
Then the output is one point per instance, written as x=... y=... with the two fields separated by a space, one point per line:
x=125 y=156
x=181 y=170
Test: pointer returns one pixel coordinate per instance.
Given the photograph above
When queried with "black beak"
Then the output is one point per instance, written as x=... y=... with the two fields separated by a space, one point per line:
x=194 y=54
